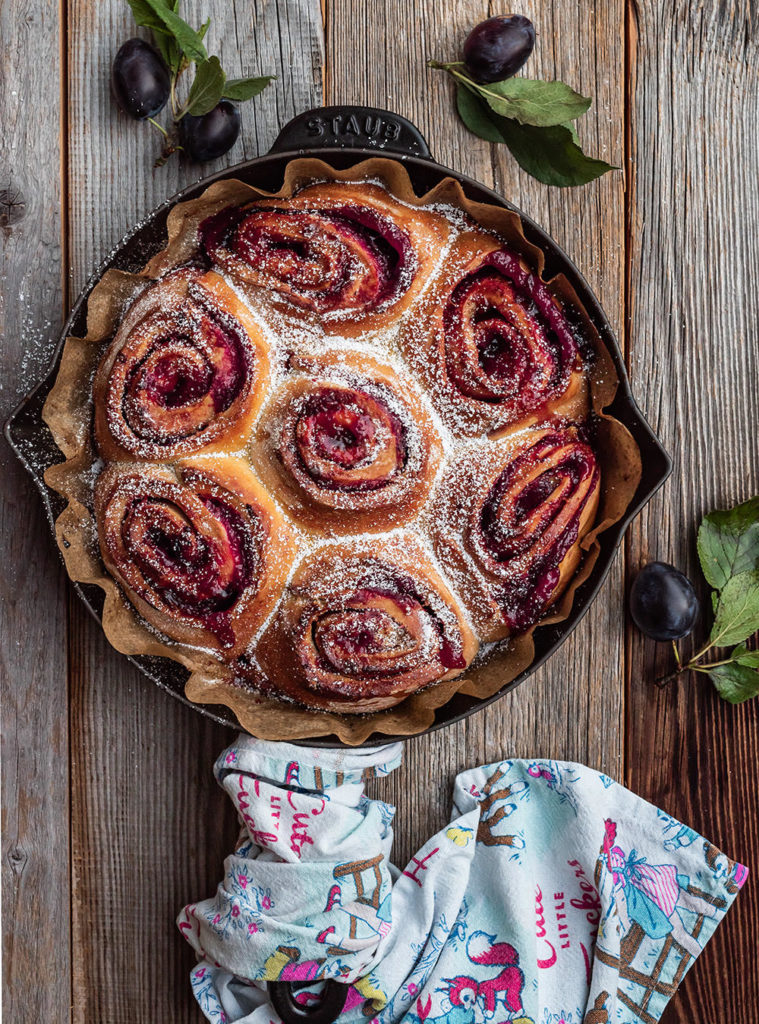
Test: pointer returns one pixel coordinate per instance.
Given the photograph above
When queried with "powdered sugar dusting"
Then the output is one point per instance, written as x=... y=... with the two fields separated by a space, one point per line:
x=305 y=345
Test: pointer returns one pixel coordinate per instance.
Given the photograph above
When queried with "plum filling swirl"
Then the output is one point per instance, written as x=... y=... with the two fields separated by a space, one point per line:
x=507 y=343
x=529 y=521
x=179 y=371
x=185 y=551
x=383 y=636
x=343 y=439
x=338 y=259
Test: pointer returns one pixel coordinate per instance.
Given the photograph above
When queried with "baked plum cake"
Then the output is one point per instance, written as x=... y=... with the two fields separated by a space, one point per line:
x=345 y=446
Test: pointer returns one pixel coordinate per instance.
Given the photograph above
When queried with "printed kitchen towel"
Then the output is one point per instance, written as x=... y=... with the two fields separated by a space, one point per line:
x=554 y=896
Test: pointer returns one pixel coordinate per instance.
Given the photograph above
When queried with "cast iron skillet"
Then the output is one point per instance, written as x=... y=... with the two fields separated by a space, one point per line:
x=342 y=136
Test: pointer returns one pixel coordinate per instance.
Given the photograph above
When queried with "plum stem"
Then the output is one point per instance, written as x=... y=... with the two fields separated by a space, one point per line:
x=677 y=654
x=692 y=665
x=662 y=681
x=171 y=146
x=470 y=83
x=702 y=652
x=160 y=127
x=440 y=66
x=173 y=96
x=710 y=665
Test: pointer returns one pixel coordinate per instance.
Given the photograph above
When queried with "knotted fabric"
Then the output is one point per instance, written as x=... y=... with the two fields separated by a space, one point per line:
x=553 y=896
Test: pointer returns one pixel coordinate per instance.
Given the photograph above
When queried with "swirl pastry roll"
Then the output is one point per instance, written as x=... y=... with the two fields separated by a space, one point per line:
x=349 y=253
x=185 y=372
x=346 y=445
x=199 y=548
x=508 y=521
x=493 y=342
x=362 y=626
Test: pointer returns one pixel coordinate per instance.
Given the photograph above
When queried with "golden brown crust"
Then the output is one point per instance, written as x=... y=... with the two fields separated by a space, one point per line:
x=504 y=508
x=337 y=283
x=199 y=548
x=346 y=446
x=302 y=334
x=440 y=345
x=362 y=626
x=187 y=330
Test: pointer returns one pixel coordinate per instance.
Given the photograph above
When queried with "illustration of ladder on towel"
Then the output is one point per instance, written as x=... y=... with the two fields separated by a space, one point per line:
x=368 y=914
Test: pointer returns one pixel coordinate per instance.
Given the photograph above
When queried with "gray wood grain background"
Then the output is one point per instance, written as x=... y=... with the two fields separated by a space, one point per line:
x=111 y=819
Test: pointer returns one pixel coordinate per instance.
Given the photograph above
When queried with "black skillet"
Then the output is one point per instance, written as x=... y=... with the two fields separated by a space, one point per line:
x=343 y=136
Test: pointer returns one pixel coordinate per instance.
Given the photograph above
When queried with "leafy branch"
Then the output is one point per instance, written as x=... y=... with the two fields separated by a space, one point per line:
x=534 y=118
x=728 y=550
x=181 y=46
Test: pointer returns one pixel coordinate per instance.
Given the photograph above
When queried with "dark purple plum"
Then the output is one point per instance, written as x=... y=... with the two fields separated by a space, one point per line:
x=498 y=47
x=663 y=603
x=140 y=79
x=212 y=135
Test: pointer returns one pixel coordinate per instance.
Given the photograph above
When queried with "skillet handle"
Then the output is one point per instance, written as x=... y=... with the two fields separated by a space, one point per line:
x=327 y=1010
x=351 y=127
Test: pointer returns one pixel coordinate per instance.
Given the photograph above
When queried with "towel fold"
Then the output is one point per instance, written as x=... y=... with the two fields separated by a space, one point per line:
x=553 y=896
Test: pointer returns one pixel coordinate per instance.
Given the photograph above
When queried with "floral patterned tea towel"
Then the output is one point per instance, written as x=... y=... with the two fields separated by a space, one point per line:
x=554 y=896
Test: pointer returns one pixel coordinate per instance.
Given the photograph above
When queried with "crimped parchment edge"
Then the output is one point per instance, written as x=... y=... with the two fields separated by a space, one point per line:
x=68 y=414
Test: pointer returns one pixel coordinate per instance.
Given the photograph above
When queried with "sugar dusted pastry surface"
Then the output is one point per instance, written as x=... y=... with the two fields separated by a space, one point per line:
x=352 y=447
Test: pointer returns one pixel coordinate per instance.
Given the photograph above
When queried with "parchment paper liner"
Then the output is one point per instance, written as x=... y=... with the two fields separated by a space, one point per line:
x=68 y=413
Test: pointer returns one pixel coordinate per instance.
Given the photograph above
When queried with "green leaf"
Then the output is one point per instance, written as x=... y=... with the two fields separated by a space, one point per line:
x=190 y=42
x=745 y=657
x=145 y=16
x=184 y=63
x=735 y=683
x=737 y=615
x=163 y=45
x=530 y=101
x=728 y=543
x=169 y=50
x=550 y=154
x=207 y=89
x=477 y=115
x=242 y=89
x=164 y=41
x=570 y=126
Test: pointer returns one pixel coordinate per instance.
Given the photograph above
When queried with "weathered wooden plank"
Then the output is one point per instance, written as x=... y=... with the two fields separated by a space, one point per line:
x=691 y=67
x=150 y=827
x=695 y=363
x=376 y=54
x=35 y=823
x=150 y=830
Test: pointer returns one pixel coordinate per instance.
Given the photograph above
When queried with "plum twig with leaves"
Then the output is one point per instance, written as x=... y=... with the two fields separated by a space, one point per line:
x=205 y=125
x=534 y=118
x=728 y=551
